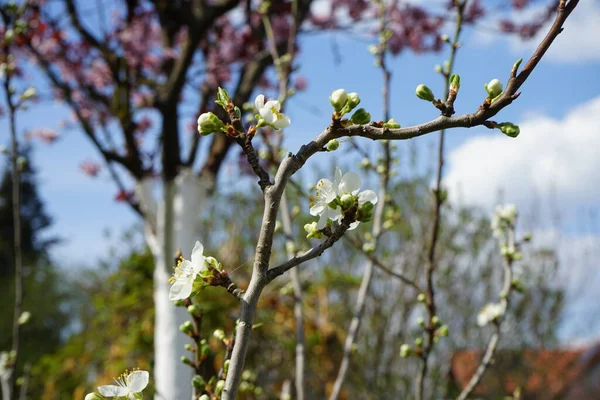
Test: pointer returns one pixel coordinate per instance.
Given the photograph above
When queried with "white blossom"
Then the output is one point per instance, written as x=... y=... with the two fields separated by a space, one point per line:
x=503 y=215
x=126 y=385
x=186 y=272
x=327 y=191
x=4 y=369
x=269 y=112
x=490 y=312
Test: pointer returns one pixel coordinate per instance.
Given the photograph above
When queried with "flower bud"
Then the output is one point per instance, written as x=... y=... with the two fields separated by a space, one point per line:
x=186 y=360
x=391 y=124
x=312 y=231
x=424 y=93
x=220 y=386
x=28 y=94
x=209 y=123
x=222 y=97
x=443 y=331
x=518 y=286
x=419 y=342
x=421 y=298
x=421 y=321
x=365 y=163
x=353 y=101
x=198 y=382
x=194 y=310
x=333 y=145
x=368 y=247
x=338 y=99
x=226 y=366
x=493 y=88
x=3 y=150
x=454 y=82
x=438 y=69
x=435 y=320
x=204 y=397
x=24 y=317
x=365 y=212
x=509 y=129
x=527 y=237
x=405 y=350
x=93 y=396
x=187 y=328
x=188 y=347
x=219 y=334
x=347 y=201
x=445 y=38
x=360 y=117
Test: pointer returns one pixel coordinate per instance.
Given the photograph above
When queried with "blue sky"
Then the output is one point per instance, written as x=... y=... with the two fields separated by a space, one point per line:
x=554 y=170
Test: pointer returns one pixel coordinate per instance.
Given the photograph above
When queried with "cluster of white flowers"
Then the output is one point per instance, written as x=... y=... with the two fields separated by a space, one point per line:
x=129 y=385
x=504 y=216
x=331 y=196
x=269 y=114
x=186 y=272
x=491 y=312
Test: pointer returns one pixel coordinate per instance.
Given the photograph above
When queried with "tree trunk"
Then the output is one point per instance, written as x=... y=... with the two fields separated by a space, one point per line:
x=177 y=227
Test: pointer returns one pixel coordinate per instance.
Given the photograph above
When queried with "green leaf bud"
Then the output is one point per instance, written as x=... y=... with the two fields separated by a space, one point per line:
x=424 y=93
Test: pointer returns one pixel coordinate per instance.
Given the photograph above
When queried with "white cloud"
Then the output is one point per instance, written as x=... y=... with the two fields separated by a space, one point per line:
x=578 y=42
x=552 y=158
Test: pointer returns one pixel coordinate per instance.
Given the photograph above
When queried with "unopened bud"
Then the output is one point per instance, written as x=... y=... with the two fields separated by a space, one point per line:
x=353 y=101
x=443 y=331
x=93 y=396
x=360 y=117
x=493 y=88
x=208 y=123
x=368 y=247
x=198 y=382
x=421 y=298
x=509 y=129
x=455 y=82
x=219 y=334
x=347 y=201
x=186 y=328
x=392 y=124
x=424 y=93
x=333 y=145
x=405 y=350
x=338 y=99
x=194 y=310
x=24 y=317
x=28 y=94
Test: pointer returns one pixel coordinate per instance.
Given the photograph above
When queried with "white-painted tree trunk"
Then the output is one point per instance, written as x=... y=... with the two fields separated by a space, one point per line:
x=171 y=224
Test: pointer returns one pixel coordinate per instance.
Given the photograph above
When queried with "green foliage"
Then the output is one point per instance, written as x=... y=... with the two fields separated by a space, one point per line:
x=115 y=322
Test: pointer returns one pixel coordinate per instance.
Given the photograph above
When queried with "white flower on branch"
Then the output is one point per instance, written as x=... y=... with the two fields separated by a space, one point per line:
x=128 y=384
x=4 y=365
x=332 y=196
x=270 y=113
x=186 y=272
x=504 y=216
x=490 y=312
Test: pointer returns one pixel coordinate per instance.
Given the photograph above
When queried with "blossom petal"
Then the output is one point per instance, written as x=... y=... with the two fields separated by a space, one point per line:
x=137 y=381
x=337 y=177
x=113 y=391
x=367 y=195
x=350 y=183
x=334 y=214
x=282 y=122
x=260 y=101
x=326 y=192
x=273 y=104
x=317 y=209
x=197 y=253
x=181 y=289
x=322 y=221
x=353 y=225
x=267 y=115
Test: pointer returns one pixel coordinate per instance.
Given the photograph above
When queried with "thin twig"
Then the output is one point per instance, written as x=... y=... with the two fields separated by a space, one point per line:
x=430 y=328
x=495 y=338
x=286 y=223
x=377 y=222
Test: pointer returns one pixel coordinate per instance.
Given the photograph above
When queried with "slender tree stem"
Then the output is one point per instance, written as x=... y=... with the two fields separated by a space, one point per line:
x=377 y=222
x=17 y=248
x=286 y=222
x=490 y=351
x=430 y=328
